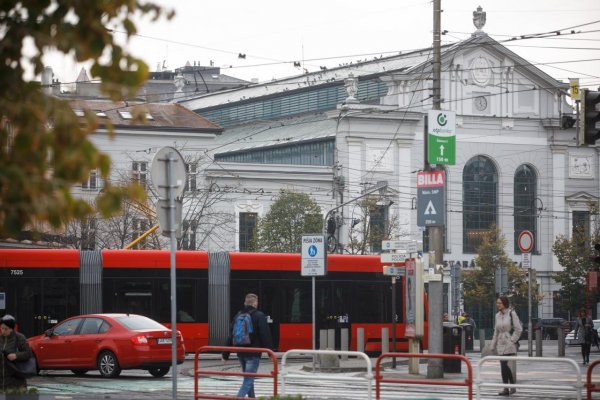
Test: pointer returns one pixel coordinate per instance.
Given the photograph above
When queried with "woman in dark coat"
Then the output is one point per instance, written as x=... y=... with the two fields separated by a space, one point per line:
x=14 y=346
x=583 y=334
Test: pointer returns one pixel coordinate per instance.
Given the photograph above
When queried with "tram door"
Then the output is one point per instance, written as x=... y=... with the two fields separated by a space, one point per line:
x=39 y=304
x=334 y=303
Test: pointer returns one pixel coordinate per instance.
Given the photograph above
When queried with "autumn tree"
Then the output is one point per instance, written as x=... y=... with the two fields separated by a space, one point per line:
x=479 y=284
x=291 y=215
x=44 y=147
x=576 y=256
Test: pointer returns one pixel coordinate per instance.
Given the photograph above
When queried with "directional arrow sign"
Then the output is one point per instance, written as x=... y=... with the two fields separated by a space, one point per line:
x=430 y=198
x=441 y=137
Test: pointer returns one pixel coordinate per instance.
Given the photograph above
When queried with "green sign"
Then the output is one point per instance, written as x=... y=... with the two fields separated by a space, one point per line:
x=441 y=137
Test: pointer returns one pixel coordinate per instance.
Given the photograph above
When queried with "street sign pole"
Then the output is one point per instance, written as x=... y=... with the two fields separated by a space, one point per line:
x=526 y=243
x=169 y=184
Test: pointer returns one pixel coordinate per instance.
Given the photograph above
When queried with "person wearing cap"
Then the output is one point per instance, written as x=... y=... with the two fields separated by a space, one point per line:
x=14 y=347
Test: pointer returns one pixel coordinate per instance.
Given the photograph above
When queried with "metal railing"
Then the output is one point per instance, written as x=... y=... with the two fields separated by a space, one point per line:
x=379 y=378
x=590 y=387
x=285 y=374
x=219 y=349
x=547 y=385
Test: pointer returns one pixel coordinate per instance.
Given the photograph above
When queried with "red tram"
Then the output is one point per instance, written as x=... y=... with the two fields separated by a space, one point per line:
x=42 y=287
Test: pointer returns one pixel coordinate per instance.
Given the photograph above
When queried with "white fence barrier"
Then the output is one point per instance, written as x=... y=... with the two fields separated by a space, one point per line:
x=286 y=374
x=546 y=385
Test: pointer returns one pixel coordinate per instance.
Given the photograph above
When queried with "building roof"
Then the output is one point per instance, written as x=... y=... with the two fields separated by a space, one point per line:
x=159 y=115
x=262 y=134
x=408 y=64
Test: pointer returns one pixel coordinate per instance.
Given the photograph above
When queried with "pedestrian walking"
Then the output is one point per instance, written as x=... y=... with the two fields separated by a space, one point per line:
x=249 y=328
x=14 y=348
x=506 y=335
x=469 y=320
x=583 y=334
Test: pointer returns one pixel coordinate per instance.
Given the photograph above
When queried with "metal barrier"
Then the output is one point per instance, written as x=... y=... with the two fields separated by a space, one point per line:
x=468 y=382
x=546 y=385
x=590 y=387
x=219 y=349
x=285 y=374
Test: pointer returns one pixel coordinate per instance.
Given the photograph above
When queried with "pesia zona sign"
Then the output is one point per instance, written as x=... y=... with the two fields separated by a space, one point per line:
x=441 y=137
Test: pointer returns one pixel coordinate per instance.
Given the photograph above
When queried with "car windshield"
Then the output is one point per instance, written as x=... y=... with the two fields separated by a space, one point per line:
x=138 y=322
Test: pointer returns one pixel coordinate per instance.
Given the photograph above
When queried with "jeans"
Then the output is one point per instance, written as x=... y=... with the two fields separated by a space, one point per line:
x=249 y=364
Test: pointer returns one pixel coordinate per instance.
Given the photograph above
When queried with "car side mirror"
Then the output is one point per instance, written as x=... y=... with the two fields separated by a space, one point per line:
x=48 y=332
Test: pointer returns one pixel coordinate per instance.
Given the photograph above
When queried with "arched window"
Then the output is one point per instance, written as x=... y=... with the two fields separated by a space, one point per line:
x=525 y=203
x=480 y=201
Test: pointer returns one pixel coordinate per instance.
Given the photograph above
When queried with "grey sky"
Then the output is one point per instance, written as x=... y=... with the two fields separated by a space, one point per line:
x=273 y=34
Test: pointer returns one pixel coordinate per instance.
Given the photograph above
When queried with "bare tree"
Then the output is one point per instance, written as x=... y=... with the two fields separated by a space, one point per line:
x=371 y=223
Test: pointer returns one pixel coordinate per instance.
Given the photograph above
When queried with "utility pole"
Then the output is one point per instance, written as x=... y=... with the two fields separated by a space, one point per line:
x=435 y=366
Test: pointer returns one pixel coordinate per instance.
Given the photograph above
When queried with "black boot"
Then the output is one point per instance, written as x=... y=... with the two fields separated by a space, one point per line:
x=504 y=392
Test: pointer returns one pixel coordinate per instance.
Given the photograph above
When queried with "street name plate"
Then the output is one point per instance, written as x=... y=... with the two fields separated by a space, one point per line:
x=393 y=258
x=409 y=246
x=432 y=277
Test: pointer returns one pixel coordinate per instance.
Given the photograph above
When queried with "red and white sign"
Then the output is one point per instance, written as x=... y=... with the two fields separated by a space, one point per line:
x=525 y=241
x=430 y=179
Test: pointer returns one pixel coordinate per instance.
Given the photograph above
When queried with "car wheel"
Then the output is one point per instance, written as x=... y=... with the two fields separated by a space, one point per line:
x=159 y=372
x=79 y=372
x=108 y=365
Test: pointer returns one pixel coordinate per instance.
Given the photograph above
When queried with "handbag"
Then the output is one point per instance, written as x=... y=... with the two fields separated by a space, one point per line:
x=512 y=330
x=24 y=369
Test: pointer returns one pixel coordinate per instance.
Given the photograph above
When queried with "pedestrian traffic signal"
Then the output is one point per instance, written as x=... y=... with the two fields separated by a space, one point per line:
x=589 y=117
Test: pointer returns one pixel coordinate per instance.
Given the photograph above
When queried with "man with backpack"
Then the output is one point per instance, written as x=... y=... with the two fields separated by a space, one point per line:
x=249 y=328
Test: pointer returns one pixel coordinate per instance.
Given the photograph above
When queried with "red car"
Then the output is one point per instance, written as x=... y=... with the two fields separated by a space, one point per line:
x=108 y=343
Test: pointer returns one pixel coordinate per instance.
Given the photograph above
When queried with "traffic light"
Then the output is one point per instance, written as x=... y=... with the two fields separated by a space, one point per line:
x=589 y=116
x=596 y=256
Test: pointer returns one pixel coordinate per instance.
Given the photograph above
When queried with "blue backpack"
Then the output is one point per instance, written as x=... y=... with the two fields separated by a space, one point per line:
x=242 y=328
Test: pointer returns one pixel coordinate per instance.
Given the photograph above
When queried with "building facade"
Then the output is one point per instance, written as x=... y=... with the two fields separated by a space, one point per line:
x=338 y=132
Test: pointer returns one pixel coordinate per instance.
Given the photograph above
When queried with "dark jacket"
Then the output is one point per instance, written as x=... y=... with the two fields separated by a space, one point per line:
x=260 y=337
x=13 y=343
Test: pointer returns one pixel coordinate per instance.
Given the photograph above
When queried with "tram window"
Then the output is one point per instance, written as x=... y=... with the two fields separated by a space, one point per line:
x=134 y=296
x=298 y=304
x=91 y=326
x=67 y=328
x=369 y=302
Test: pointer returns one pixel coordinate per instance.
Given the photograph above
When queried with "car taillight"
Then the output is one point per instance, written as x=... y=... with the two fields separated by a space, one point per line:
x=139 y=340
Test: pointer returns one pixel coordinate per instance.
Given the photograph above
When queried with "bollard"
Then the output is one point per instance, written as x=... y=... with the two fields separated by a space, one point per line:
x=344 y=342
x=323 y=339
x=385 y=340
x=463 y=341
x=331 y=339
x=538 y=343
x=360 y=340
x=481 y=339
x=561 y=342
x=328 y=362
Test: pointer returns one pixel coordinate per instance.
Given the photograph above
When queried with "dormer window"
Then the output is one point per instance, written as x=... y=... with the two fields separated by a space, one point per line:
x=100 y=113
x=149 y=117
x=79 y=112
x=125 y=114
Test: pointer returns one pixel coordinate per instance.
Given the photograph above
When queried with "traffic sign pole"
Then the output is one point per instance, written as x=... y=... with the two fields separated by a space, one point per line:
x=526 y=245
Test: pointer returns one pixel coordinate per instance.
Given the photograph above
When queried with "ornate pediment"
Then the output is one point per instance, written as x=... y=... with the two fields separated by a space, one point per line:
x=581 y=199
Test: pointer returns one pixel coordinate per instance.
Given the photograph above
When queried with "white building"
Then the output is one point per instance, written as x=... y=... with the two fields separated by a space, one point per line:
x=337 y=132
